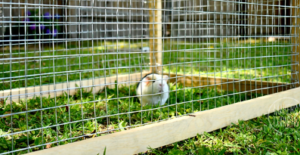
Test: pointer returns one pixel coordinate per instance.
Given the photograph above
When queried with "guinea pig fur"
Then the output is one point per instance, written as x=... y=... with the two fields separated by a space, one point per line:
x=153 y=89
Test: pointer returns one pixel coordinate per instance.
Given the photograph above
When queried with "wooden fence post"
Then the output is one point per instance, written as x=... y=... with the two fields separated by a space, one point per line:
x=295 y=41
x=155 y=35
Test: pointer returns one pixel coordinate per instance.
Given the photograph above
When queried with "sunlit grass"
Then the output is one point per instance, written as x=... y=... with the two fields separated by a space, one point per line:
x=67 y=119
x=276 y=134
x=256 y=61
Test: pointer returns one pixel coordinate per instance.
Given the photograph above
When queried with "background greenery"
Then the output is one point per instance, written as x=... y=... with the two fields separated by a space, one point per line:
x=265 y=61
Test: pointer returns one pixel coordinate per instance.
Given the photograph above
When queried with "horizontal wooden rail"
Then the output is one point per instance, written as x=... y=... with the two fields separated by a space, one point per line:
x=262 y=87
x=128 y=79
x=58 y=89
x=159 y=134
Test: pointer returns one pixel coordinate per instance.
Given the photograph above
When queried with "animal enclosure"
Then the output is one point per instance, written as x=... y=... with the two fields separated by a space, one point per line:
x=69 y=69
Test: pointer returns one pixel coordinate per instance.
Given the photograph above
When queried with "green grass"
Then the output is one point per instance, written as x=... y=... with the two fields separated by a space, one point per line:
x=66 y=119
x=64 y=63
x=275 y=134
x=256 y=61
x=85 y=114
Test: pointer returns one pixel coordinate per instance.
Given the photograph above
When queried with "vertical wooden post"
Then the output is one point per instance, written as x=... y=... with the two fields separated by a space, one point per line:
x=295 y=41
x=155 y=34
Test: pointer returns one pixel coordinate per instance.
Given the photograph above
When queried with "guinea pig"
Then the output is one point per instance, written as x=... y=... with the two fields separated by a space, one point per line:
x=153 y=89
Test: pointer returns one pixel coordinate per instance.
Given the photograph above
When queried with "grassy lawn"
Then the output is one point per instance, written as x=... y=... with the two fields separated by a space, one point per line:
x=256 y=61
x=47 y=122
x=71 y=118
x=275 y=134
x=69 y=62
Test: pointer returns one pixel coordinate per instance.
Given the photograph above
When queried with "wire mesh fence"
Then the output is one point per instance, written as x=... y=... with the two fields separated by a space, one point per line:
x=70 y=69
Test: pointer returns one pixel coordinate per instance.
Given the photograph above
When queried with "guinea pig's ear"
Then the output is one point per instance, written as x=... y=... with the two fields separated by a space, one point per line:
x=166 y=78
x=147 y=81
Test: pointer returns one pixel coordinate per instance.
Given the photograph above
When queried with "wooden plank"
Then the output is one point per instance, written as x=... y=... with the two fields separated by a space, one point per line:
x=262 y=87
x=187 y=80
x=296 y=42
x=155 y=35
x=159 y=134
x=71 y=88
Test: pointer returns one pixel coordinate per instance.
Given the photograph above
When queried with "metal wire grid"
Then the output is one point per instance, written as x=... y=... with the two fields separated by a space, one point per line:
x=217 y=38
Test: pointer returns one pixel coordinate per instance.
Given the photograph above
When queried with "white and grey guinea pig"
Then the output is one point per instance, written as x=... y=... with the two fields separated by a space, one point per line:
x=153 y=89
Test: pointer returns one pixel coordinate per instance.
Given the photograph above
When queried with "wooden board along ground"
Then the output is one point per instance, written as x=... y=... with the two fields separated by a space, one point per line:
x=159 y=134
x=70 y=88
x=229 y=84
x=187 y=80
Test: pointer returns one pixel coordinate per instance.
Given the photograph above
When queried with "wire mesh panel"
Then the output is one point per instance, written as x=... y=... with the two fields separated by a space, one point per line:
x=77 y=69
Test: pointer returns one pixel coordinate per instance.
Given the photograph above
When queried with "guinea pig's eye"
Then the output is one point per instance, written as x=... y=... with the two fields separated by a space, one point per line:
x=153 y=81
